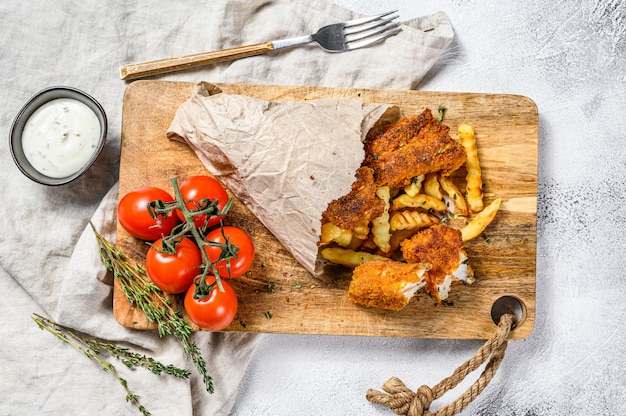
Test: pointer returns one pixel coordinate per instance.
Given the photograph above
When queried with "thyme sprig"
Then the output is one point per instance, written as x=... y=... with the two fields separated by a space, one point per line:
x=92 y=348
x=148 y=298
x=440 y=112
x=132 y=359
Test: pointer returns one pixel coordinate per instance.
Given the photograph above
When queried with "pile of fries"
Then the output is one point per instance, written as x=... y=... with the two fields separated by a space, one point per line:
x=430 y=199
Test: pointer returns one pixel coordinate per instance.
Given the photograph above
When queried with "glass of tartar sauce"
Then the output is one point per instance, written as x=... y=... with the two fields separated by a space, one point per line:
x=58 y=135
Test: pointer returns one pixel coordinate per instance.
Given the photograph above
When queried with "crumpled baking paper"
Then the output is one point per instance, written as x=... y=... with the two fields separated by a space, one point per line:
x=285 y=160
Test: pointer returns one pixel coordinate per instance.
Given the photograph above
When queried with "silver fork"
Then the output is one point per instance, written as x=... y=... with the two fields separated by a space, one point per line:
x=339 y=37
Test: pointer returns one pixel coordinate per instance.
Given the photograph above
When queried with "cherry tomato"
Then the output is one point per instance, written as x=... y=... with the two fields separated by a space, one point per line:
x=196 y=188
x=133 y=215
x=245 y=253
x=174 y=273
x=214 y=312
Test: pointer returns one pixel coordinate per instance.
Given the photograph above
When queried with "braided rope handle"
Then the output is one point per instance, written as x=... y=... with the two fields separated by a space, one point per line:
x=403 y=401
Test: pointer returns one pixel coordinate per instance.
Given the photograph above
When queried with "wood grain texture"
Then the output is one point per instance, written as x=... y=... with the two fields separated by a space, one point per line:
x=161 y=66
x=506 y=131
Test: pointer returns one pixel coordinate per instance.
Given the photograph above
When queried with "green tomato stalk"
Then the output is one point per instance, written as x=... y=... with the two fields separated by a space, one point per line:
x=205 y=207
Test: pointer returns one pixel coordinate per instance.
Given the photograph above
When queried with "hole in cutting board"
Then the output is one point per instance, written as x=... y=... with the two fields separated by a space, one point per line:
x=511 y=305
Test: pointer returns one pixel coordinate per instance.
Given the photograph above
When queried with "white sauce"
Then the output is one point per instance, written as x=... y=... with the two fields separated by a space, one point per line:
x=60 y=137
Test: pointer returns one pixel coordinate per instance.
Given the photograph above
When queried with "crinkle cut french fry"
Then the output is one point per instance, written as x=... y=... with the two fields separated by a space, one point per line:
x=418 y=201
x=411 y=220
x=474 y=179
x=380 y=225
x=478 y=224
x=347 y=257
x=362 y=229
x=431 y=186
x=455 y=194
x=416 y=185
x=334 y=234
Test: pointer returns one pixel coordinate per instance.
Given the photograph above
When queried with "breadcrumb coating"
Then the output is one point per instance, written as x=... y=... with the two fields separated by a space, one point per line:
x=411 y=147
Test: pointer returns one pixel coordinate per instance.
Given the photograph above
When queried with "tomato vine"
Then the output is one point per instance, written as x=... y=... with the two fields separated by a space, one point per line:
x=209 y=209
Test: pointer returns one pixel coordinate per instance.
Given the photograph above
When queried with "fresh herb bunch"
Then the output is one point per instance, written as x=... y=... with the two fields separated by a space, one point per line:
x=146 y=296
x=92 y=347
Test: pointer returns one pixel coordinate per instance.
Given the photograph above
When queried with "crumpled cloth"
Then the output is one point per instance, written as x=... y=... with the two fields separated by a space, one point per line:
x=49 y=262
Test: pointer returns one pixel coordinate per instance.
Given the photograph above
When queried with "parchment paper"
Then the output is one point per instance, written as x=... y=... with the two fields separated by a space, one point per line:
x=285 y=160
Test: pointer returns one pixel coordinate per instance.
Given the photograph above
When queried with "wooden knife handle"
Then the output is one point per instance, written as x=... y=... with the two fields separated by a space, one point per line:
x=174 y=64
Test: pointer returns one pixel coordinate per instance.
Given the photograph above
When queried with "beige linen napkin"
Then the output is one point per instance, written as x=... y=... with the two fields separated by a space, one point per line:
x=400 y=62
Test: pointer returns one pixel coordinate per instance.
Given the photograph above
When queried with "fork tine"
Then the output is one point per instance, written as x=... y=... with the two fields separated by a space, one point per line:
x=363 y=27
x=354 y=22
x=371 y=40
x=369 y=33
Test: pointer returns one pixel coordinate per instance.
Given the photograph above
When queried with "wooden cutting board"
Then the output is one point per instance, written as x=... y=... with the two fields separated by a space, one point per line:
x=504 y=259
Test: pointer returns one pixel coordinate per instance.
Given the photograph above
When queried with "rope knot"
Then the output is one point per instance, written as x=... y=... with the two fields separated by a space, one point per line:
x=401 y=400
x=421 y=401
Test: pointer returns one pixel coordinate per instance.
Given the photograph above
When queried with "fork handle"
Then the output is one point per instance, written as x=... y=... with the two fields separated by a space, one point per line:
x=172 y=64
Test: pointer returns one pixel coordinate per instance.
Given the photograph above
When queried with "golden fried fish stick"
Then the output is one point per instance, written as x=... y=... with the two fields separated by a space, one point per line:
x=386 y=284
